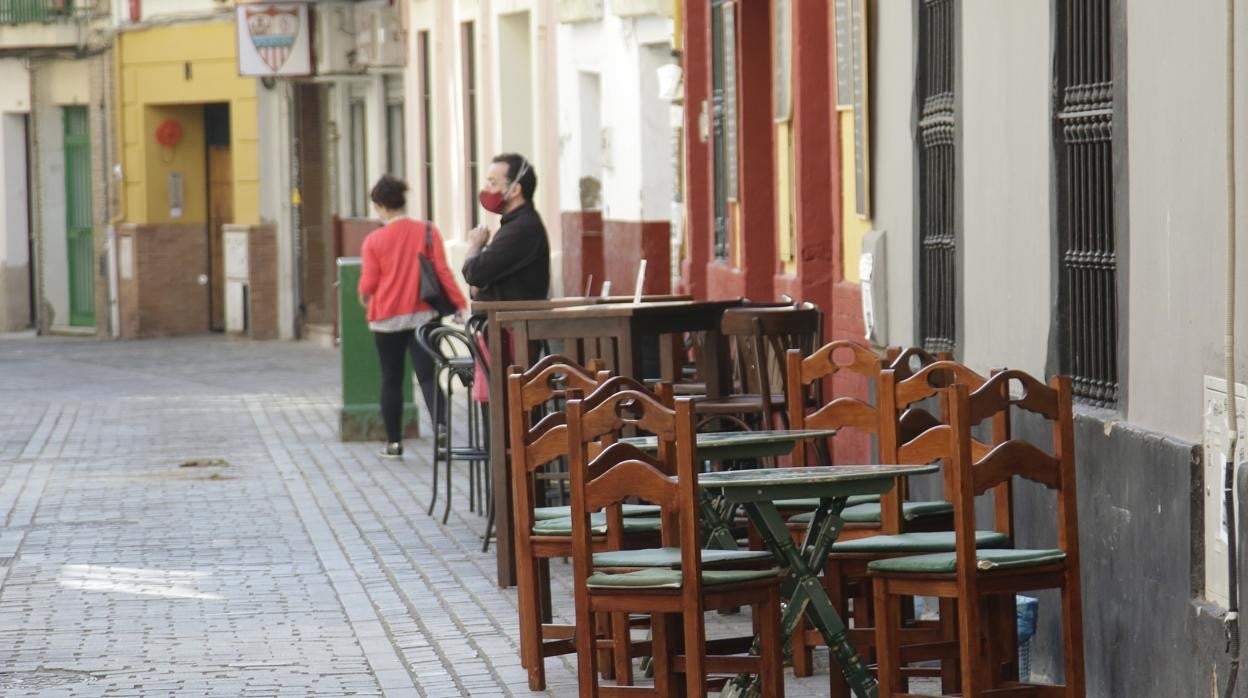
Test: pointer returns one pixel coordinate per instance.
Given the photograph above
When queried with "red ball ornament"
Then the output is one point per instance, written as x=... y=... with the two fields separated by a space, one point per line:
x=169 y=133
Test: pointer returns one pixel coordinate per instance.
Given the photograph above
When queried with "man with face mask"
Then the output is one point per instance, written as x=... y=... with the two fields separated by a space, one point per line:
x=515 y=265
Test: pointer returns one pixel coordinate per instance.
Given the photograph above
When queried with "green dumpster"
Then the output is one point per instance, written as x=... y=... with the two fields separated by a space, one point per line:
x=360 y=419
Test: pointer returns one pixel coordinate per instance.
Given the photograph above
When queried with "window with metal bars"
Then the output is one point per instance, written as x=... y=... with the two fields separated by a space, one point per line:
x=936 y=172
x=1084 y=126
x=723 y=115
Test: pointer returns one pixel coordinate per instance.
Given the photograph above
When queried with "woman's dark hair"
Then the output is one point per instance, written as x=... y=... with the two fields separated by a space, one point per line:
x=519 y=165
x=389 y=192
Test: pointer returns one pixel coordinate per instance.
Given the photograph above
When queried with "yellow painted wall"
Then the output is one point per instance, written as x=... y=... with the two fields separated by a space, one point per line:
x=153 y=65
x=785 y=200
x=187 y=158
x=854 y=227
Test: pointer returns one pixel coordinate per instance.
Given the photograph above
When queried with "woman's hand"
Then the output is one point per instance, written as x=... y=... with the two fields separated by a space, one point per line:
x=461 y=316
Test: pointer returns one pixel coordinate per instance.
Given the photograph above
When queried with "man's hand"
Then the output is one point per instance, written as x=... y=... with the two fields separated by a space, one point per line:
x=478 y=236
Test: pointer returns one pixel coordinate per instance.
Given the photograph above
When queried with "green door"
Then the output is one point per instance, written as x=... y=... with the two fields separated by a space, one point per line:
x=79 y=236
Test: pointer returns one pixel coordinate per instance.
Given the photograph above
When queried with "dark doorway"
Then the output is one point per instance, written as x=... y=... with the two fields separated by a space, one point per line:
x=220 y=204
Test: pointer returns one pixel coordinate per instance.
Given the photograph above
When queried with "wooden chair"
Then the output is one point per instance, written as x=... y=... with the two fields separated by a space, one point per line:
x=675 y=598
x=539 y=535
x=845 y=571
x=873 y=528
x=983 y=583
x=759 y=338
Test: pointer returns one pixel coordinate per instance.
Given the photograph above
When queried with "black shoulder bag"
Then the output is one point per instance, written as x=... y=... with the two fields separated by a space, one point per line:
x=431 y=291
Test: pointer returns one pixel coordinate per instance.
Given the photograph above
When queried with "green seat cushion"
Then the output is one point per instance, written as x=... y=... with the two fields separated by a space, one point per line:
x=986 y=560
x=670 y=557
x=598 y=523
x=543 y=513
x=813 y=502
x=917 y=542
x=870 y=512
x=663 y=578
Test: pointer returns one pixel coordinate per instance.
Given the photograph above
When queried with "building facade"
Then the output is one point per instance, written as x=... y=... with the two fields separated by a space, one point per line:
x=1036 y=184
x=619 y=135
x=54 y=104
x=480 y=80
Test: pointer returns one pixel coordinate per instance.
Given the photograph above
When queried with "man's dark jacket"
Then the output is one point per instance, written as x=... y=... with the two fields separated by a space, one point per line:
x=515 y=266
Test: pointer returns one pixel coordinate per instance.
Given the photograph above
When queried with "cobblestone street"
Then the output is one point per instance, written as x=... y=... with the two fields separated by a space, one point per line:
x=178 y=517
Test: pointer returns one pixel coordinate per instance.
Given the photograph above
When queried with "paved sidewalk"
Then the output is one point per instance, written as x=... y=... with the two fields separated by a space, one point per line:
x=178 y=517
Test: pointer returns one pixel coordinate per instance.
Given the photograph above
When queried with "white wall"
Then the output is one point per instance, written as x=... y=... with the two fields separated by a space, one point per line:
x=154 y=9
x=892 y=158
x=1177 y=138
x=1006 y=232
x=14 y=86
x=625 y=139
x=14 y=219
x=273 y=154
x=14 y=103
x=54 y=263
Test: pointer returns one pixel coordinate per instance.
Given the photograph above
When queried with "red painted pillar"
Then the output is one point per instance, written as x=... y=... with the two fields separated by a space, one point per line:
x=816 y=156
x=699 y=207
x=756 y=137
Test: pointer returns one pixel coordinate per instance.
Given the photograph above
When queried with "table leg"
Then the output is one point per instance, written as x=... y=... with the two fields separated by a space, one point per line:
x=717 y=521
x=503 y=551
x=808 y=594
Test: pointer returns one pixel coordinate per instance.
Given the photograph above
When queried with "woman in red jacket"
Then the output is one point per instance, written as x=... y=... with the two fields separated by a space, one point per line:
x=390 y=289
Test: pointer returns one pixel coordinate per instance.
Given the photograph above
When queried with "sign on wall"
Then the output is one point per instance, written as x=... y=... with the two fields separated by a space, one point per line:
x=274 y=40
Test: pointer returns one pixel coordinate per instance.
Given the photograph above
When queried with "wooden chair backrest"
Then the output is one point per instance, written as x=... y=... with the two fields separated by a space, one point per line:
x=760 y=337
x=621 y=471
x=534 y=445
x=974 y=475
x=922 y=437
x=804 y=376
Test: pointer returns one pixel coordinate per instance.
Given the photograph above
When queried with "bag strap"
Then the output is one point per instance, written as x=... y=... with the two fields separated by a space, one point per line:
x=428 y=240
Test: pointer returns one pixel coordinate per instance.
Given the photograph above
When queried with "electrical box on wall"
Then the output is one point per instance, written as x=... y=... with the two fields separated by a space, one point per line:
x=378 y=39
x=874 y=281
x=1215 y=445
x=334 y=30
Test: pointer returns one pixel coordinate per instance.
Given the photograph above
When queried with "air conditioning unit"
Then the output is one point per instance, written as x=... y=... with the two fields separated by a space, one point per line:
x=335 y=34
x=379 y=37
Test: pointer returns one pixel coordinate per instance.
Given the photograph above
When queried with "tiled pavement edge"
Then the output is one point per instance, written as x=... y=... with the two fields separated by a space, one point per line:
x=299 y=566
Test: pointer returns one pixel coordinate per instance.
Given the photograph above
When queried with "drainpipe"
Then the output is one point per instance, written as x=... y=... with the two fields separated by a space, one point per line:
x=1232 y=613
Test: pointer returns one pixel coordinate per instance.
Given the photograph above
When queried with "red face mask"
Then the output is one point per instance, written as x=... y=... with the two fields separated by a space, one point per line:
x=491 y=201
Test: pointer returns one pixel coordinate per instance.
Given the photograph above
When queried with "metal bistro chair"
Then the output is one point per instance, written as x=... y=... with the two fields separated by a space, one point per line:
x=453 y=357
x=475 y=328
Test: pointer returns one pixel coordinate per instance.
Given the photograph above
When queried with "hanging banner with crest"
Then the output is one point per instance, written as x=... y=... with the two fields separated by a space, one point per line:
x=274 y=40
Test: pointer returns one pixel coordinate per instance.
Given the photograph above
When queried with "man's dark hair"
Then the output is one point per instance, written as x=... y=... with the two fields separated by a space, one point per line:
x=390 y=192
x=515 y=163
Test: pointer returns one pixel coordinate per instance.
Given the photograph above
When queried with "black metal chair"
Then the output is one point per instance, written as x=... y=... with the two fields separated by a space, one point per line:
x=475 y=329
x=453 y=354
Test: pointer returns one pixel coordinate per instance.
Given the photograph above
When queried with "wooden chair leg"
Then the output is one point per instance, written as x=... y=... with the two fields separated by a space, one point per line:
x=661 y=661
x=950 y=673
x=621 y=649
x=887 y=638
x=695 y=652
x=771 y=674
x=834 y=581
x=529 y=603
x=602 y=628
x=969 y=646
x=1072 y=634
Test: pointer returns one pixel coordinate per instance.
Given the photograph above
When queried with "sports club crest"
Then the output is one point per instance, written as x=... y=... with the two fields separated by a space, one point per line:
x=273 y=31
x=273 y=39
